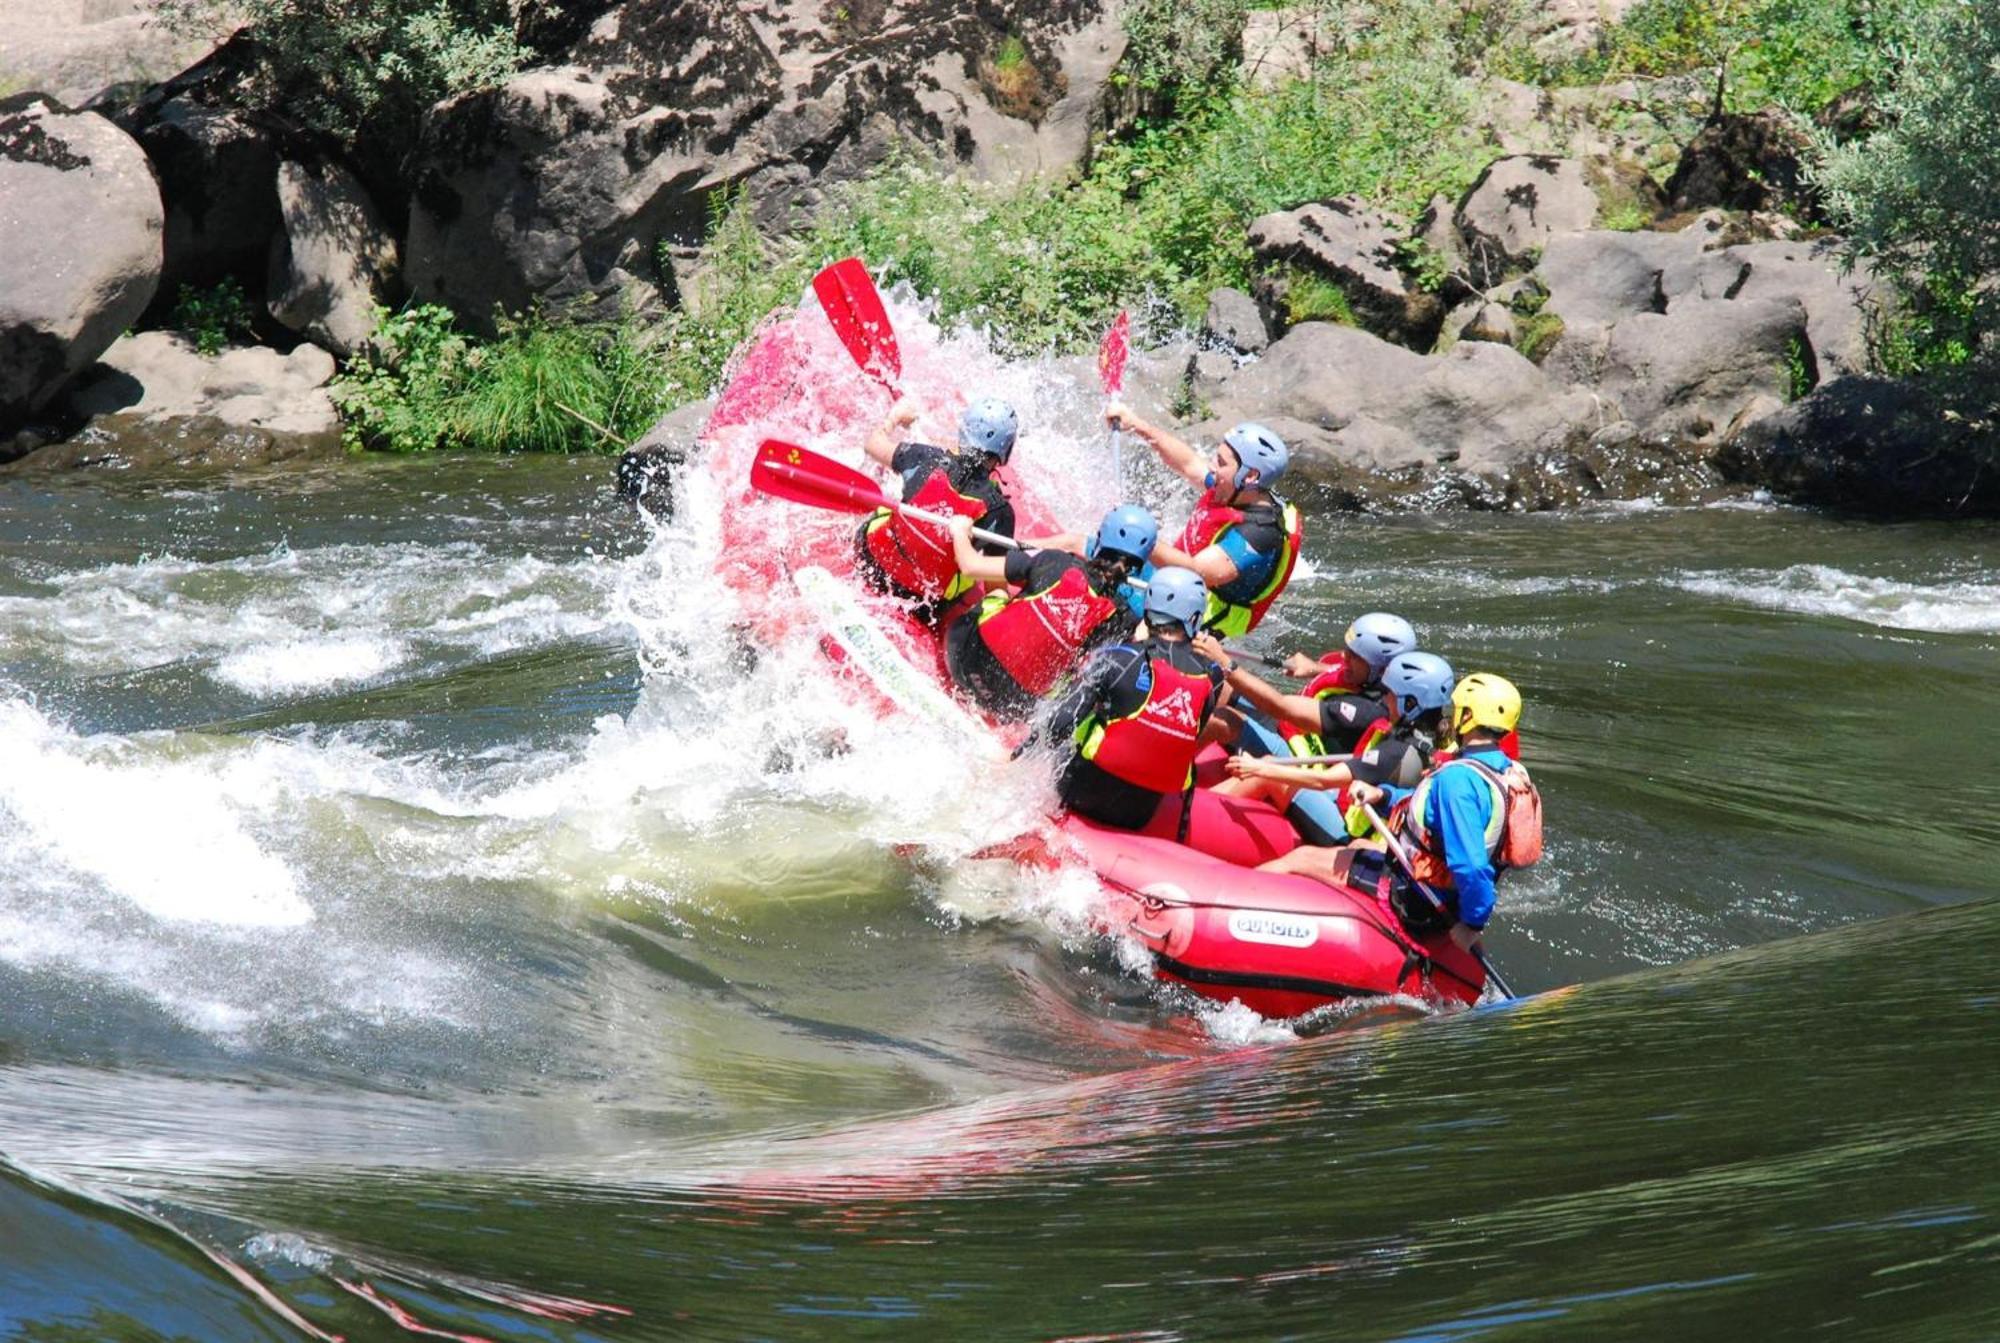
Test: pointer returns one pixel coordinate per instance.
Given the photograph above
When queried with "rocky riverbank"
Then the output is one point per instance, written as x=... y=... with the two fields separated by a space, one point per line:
x=1634 y=298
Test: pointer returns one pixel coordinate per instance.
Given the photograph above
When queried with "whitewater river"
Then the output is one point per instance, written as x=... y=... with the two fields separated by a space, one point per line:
x=418 y=913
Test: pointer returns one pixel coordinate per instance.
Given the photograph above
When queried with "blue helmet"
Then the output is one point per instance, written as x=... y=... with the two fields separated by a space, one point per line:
x=990 y=425
x=1421 y=680
x=1379 y=636
x=1128 y=529
x=1178 y=595
x=1259 y=450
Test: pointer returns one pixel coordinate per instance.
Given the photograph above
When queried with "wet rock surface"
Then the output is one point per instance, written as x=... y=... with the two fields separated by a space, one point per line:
x=153 y=400
x=1880 y=446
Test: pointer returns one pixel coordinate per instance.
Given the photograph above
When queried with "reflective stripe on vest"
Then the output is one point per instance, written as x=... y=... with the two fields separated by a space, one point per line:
x=917 y=556
x=1036 y=637
x=1154 y=746
x=1428 y=859
x=1226 y=617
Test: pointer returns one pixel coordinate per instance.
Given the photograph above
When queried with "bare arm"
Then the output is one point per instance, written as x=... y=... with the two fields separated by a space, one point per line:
x=1213 y=563
x=1295 y=776
x=982 y=568
x=1173 y=450
x=1072 y=542
x=880 y=445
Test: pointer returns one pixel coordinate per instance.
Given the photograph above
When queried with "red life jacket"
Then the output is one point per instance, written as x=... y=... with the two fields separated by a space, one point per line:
x=1205 y=526
x=916 y=556
x=1333 y=682
x=1036 y=637
x=1154 y=746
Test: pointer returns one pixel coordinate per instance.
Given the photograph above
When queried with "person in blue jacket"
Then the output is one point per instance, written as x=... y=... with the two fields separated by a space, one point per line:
x=1468 y=819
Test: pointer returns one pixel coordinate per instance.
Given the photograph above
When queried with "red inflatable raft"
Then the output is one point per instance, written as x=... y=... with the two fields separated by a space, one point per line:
x=1282 y=945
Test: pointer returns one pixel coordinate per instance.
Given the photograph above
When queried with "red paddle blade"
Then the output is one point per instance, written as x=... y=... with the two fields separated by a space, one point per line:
x=1111 y=354
x=859 y=319
x=789 y=471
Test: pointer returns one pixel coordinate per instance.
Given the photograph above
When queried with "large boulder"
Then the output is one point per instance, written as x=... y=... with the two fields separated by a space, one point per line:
x=1838 y=301
x=81 y=222
x=1235 y=321
x=570 y=184
x=1368 y=404
x=1596 y=281
x=1358 y=248
x=154 y=401
x=219 y=178
x=1746 y=161
x=1518 y=204
x=83 y=51
x=1878 y=446
x=1690 y=374
x=333 y=262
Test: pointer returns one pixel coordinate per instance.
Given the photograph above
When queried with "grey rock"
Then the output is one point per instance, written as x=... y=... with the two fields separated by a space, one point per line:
x=1207 y=371
x=1878 y=446
x=1839 y=304
x=647 y=468
x=333 y=262
x=148 y=384
x=1490 y=322
x=1355 y=246
x=566 y=185
x=1234 y=319
x=219 y=179
x=1379 y=407
x=1690 y=372
x=82 y=50
x=1516 y=206
x=81 y=220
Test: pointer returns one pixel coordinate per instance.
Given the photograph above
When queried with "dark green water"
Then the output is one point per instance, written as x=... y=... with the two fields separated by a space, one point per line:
x=407 y=895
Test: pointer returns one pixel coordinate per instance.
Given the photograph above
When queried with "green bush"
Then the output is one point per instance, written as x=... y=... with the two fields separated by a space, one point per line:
x=339 y=67
x=1918 y=198
x=425 y=384
x=1185 y=44
x=1797 y=54
x=212 y=317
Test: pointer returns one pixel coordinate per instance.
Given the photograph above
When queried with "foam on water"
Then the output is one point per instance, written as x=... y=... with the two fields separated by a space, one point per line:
x=187 y=869
x=1946 y=606
x=288 y=622
x=166 y=834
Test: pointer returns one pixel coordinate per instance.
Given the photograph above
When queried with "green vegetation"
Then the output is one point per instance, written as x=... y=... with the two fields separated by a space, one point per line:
x=1539 y=333
x=1798 y=54
x=537 y=388
x=212 y=317
x=1917 y=198
x=378 y=64
x=1312 y=297
x=1184 y=44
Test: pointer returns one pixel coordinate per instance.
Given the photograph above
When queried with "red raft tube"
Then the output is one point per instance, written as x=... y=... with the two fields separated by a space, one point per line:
x=1281 y=945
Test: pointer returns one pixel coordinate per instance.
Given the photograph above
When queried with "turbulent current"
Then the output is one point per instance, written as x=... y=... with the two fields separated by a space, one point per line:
x=420 y=911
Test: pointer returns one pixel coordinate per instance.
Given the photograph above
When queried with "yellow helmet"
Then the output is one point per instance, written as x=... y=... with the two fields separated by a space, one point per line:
x=1485 y=700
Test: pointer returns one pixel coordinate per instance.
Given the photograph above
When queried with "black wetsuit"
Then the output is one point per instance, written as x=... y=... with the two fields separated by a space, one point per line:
x=1113 y=684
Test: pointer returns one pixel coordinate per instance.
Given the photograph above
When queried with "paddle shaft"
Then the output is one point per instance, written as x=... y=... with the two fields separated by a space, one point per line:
x=1402 y=856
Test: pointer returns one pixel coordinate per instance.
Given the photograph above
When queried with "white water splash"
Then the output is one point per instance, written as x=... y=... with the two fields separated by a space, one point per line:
x=1969 y=606
x=163 y=833
x=288 y=622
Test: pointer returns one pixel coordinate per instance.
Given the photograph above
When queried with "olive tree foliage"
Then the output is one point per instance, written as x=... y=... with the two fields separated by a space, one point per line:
x=1921 y=198
x=1185 y=46
x=354 y=67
